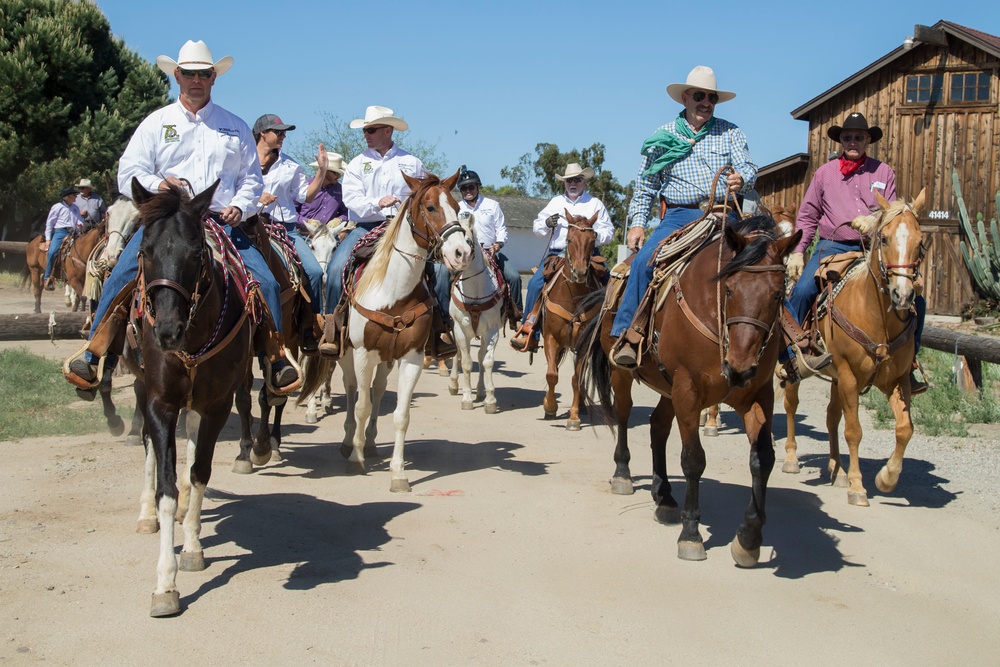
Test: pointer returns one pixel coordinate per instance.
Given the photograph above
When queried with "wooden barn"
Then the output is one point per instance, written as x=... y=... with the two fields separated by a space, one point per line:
x=936 y=97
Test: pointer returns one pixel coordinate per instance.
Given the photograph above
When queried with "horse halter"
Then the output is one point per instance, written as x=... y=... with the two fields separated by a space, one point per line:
x=911 y=271
x=431 y=236
x=573 y=277
x=191 y=297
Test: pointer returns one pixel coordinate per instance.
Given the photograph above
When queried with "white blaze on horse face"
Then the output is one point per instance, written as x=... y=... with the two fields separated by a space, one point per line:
x=903 y=284
x=456 y=250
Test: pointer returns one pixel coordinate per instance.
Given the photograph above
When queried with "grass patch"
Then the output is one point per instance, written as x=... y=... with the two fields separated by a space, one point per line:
x=943 y=409
x=37 y=400
x=10 y=279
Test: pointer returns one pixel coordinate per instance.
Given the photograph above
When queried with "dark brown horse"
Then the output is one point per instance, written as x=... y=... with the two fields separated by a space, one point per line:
x=192 y=350
x=73 y=269
x=712 y=341
x=561 y=298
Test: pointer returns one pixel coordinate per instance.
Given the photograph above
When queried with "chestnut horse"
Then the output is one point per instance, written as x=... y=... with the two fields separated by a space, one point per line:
x=73 y=268
x=390 y=318
x=868 y=329
x=562 y=318
x=192 y=351
x=736 y=280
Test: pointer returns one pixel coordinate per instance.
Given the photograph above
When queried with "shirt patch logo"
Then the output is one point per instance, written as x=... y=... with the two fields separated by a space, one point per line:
x=367 y=168
x=170 y=135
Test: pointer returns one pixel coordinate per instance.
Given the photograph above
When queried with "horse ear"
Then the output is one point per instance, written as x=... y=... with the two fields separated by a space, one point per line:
x=592 y=219
x=784 y=246
x=735 y=240
x=450 y=182
x=883 y=203
x=139 y=193
x=413 y=183
x=203 y=200
x=918 y=203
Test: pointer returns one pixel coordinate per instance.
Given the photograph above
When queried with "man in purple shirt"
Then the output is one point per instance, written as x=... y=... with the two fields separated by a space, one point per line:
x=841 y=190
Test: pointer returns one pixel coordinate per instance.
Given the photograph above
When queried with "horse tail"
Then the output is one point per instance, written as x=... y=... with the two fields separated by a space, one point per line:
x=314 y=372
x=593 y=368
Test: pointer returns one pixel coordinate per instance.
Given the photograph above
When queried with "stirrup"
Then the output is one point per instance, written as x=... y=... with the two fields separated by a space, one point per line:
x=77 y=381
x=288 y=389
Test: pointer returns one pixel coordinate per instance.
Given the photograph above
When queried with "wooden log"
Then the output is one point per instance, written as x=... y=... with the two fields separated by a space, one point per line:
x=35 y=326
x=14 y=246
x=980 y=348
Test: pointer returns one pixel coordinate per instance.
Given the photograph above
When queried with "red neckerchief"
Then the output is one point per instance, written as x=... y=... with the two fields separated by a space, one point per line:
x=848 y=167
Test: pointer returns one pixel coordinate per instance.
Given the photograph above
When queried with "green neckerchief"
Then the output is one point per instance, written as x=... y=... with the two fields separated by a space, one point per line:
x=674 y=147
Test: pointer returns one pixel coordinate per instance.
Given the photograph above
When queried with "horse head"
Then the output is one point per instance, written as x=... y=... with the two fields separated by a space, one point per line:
x=752 y=292
x=122 y=219
x=323 y=239
x=784 y=218
x=174 y=259
x=433 y=215
x=580 y=240
x=897 y=247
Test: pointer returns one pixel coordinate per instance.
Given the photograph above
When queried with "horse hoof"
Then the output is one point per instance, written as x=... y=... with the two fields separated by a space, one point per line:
x=467 y=405
x=259 y=459
x=192 y=561
x=550 y=415
x=443 y=370
x=241 y=467
x=711 y=431
x=355 y=468
x=743 y=557
x=370 y=452
x=882 y=482
x=399 y=486
x=311 y=419
x=165 y=604
x=116 y=426
x=147 y=526
x=670 y=516
x=453 y=391
x=573 y=425
x=840 y=481
x=273 y=455
x=133 y=440
x=622 y=487
x=345 y=451
x=691 y=551
x=791 y=467
x=859 y=498
x=491 y=408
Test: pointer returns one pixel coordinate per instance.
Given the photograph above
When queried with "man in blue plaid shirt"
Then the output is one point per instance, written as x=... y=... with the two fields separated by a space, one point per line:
x=678 y=165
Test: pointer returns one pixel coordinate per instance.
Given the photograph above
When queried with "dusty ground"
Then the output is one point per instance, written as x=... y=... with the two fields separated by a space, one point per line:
x=510 y=550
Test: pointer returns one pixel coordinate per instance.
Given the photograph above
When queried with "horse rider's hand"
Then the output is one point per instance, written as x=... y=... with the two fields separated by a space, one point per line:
x=322 y=161
x=494 y=249
x=635 y=238
x=267 y=198
x=552 y=221
x=795 y=265
x=387 y=201
x=734 y=182
x=231 y=215
x=165 y=184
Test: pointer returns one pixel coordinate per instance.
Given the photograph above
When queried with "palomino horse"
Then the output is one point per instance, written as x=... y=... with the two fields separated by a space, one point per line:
x=562 y=318
x=195 y=348
x=73 y=268
x=477 y=303
x=868 y=328
x=390 y=317
x=712 y=341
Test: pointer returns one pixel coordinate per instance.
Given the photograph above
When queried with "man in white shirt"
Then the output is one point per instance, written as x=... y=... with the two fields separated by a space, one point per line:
x=552 y=220
x=92 y=207
x=191 y=144
x=373 y=190
x=285 y=185
x=63 y=219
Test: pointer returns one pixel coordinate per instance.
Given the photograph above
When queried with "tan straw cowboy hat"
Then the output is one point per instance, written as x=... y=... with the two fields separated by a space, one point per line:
x=84 y=183
x=194 y=55
x=334 y=162
x=376 y=115
x=700 y=77
x=573 y=170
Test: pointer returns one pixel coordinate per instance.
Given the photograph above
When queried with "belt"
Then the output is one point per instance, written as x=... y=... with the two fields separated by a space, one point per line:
x=683 y=206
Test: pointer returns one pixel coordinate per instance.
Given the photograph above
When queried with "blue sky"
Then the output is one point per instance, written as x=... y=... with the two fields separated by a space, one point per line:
x=486 y=81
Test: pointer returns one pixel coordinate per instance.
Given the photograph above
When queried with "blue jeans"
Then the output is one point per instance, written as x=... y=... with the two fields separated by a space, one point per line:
x=440 y=279
x=335 y=267
x=642 y=269
x=58 y=234
x=535 y=286
x=127 y=269
x=512 y=277
x=312 y=269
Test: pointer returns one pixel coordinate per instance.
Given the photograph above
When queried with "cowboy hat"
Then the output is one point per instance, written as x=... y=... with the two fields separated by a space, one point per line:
x=375 y=115
x=84 y=183
x=334 y=162
x=573 y=170
x=855 y=121
x=700 y=77
x=67 y=191
x=194 y=55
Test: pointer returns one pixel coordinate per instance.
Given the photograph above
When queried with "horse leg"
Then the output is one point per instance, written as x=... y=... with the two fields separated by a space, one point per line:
x=667 y=511
x=745 y=547
x=379 y=384
x=711 y=425
x=465 y=358
x=409 y=373
x=549 y=404
x=364 y=366
x=351 y=394
x=161 y=424
x=69 y=297
x=116 y=425
x=279 y=410
x=199 y=467
x=487 y=358
x=134 y=436
x=834 y=412
x=264 y=446
x=791 y=464
x=690 y=545
x=245 y=460
x=573 y=423
x=888 y=476
x=856 y=494
x=184 y=477
x=621 y=482
x=455 y=363
x=312 y=407
x=147 y=522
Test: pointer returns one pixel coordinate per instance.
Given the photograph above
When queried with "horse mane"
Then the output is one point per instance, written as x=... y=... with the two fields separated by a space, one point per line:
x=378 y=266
x=867 y=224
x=162 y=204
x=763 y=230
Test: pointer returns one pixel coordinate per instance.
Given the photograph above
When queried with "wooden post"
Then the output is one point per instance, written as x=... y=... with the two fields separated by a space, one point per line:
x=36 y=326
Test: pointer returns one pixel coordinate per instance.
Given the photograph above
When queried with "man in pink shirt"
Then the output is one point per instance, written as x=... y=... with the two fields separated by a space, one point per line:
x=841 y=190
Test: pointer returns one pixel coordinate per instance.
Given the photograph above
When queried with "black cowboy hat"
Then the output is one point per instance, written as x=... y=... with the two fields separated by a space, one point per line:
x=855 y=121
x=67 y=191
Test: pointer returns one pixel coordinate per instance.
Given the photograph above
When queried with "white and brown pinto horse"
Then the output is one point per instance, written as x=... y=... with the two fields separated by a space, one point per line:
x=868 y=328
x=476 y=308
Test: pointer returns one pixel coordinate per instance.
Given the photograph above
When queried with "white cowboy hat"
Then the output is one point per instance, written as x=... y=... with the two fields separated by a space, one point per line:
x=84 y=183
x=334 y=162
x=573 y=170
x=700 y=77
x=375 y=115
x=194 y=55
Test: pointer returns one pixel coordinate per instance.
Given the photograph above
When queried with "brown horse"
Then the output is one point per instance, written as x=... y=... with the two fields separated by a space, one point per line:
x=73 y=269
x=561 y=298
x=869 y=331
x=712 y=341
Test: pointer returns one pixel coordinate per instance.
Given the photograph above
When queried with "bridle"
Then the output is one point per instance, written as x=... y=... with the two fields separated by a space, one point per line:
x=432 y=239
x=572 y=275
x=768 y=329
x=909 y=271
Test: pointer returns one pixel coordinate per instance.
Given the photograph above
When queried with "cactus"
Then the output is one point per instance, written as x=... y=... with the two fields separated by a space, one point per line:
x=980 y=252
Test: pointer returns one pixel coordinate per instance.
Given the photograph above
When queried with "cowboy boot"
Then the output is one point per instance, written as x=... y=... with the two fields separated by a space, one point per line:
x=918 y=385
x=524 y=339
x=329 y=345
x=794 y=334
x=442 y=343
x=77 y=370
x=50 y=283
x=627 y=350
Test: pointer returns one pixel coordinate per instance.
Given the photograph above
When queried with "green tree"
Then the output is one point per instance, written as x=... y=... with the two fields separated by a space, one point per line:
x=337 y=136
x=72 y=96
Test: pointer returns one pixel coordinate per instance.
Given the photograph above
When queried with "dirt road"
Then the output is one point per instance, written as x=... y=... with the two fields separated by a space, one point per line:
x=510 y=550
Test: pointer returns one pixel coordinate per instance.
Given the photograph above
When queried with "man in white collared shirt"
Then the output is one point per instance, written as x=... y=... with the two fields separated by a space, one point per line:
x=92 y=207
x=373 y=190
x=63 y=219
x=552 y=220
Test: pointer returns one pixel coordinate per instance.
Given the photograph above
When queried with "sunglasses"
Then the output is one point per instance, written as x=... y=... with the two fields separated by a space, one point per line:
x=200 y=73
x=373 y=130
x=575 y=179
x=466 y=188
x=700 y=95
x=853 y=137
x=278 y=133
